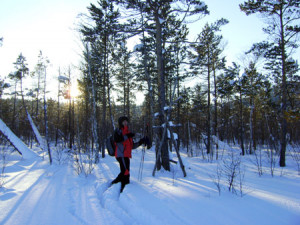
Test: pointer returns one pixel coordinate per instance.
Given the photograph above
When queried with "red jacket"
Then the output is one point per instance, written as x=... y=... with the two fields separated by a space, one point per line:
x=124 y=147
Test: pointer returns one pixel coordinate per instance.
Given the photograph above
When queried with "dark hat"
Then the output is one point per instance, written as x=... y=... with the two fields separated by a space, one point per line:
x=121 y=119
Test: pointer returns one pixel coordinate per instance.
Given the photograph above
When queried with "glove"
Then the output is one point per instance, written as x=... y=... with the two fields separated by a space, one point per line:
x=148 y=142
x=142 y=141
x=130 y=135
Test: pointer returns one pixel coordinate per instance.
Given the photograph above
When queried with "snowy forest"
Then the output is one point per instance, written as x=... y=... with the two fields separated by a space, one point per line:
x=249 y=108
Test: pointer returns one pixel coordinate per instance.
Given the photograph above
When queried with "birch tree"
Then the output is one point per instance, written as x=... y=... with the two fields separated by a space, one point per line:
x=44 y=64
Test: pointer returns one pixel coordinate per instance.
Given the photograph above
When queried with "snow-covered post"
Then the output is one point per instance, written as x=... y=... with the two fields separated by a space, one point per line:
x=158 y=150
x=166 y=128
x=177 y=150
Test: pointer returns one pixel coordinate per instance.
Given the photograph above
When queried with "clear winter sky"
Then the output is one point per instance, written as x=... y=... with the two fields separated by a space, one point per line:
x=29 y=26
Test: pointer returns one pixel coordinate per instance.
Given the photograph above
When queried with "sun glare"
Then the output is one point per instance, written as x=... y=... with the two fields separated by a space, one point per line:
x=74 y=90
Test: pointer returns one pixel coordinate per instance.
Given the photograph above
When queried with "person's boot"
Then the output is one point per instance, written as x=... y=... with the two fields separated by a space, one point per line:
x=122 y=187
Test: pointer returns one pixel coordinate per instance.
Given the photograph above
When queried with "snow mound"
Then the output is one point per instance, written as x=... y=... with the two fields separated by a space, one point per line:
x=16 y=142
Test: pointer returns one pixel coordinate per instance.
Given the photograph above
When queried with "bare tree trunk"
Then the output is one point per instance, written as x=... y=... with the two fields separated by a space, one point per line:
x=251 y=125
x=71 y=136
x=14 y=109
x=284 y=95
x=241 y=124
x=58 y=110
x=46 y=120
x=216 y=133
x=162 y=96
x=209 y=150
x=38 y=93
x=149 y=83
x=166 y=128
x=93 y=101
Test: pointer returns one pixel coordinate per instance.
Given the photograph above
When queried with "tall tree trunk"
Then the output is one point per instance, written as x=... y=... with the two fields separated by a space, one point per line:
x=104 y=98
x=14 y=110
x=162 y=95
x=58 y=111
x=149 y=82
x=209 y=150
x=46 y=120
x=70 y=113
x=241 y=124
x=93 y=101
x=284 y=95
x=38 y=93
x=251 y=125
x=216 y=112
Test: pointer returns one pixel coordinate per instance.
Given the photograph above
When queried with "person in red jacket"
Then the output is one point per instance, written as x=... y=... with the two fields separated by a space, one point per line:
x=124 y=144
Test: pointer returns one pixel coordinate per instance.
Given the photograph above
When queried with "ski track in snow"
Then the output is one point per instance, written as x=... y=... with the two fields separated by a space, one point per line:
x=36 y=193
x=51 y=192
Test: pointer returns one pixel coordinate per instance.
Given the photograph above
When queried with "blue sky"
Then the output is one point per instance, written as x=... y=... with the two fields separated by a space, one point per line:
x=29 y=26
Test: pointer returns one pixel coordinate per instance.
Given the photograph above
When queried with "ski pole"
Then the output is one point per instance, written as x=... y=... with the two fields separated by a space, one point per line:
x=141 y=165
x=140 y=175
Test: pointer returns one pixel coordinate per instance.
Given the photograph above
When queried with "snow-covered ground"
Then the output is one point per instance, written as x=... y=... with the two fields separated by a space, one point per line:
x=36 y=193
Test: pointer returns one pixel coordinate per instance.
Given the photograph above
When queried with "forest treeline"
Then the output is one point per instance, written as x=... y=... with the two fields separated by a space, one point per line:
x=251 y=105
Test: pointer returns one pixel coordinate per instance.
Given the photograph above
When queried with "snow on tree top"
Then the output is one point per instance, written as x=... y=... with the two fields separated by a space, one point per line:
x=161 y=20
x=201 y=6
x=138 y=47
x=63 y=78
x=167 y=108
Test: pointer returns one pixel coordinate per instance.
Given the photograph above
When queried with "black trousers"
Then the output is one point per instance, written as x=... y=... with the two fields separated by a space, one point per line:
x=124 y=175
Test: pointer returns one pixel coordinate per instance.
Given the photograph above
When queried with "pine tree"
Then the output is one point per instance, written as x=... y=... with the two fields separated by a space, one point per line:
x=3 y=86
x=283 y=26
x=15 y=77
x=225 y=91
x=159 y=14
x=102 y=35
x=253 y=86
x=125 y=77
x=205 y=60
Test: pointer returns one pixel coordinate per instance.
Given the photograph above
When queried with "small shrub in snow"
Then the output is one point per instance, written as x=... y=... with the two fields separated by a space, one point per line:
x=272 y=158
x=216 y=178
x=258 y=162
x=295 y=153
x=83 y=161
x=59 y=154
x=230 y=173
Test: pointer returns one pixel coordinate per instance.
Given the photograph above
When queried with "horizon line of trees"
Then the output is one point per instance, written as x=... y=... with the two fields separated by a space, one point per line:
x=252 y=106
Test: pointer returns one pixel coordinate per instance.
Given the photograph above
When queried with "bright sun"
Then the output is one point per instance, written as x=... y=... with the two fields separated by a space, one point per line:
x=74 y=90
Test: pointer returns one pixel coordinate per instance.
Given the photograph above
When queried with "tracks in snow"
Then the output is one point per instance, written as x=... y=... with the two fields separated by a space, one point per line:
x=41 y=194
